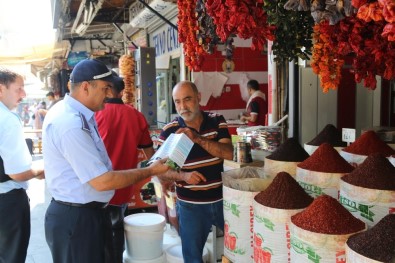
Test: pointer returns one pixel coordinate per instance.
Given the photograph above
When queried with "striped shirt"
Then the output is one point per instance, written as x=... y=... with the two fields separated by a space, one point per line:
x=213 y=127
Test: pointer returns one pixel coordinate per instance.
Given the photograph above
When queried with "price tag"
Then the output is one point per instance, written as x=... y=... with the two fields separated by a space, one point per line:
x=348 y=135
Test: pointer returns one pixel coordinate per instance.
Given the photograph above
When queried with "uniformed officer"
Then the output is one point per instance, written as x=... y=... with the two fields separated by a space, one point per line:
x=78 y=170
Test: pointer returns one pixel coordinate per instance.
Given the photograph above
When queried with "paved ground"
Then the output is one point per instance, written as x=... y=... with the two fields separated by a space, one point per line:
x=38 y=251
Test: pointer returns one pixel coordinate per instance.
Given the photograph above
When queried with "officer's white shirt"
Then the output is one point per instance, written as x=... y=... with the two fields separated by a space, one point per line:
x=74 y=153
x=13 y=149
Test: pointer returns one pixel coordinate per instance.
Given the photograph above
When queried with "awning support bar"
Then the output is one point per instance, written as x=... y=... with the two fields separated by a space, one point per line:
x=159 y=15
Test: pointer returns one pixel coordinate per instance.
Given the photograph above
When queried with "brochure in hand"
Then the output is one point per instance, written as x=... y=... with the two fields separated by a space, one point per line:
x=176 y=148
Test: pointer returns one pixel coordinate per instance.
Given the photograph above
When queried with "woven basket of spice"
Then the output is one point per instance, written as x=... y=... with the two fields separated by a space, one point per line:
x=273 y=209
x=374 y=245
x=285 y=158
x=321 y=172
x=368 y=143
x=330 y=134
x=368 y=192
x=319 y=232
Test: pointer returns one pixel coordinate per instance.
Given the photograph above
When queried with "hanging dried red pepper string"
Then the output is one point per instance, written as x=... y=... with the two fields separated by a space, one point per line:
x=187 y=28
x=326 y=61
x=244 y=18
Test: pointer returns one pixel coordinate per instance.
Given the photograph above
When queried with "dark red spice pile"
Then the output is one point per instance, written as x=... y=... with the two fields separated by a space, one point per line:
x=284 y=193
x=327 y=216
x=377 y=243
x=327 y=160
x=369 y=143
x=289 y=151
x=330 y=134
x=376 y=172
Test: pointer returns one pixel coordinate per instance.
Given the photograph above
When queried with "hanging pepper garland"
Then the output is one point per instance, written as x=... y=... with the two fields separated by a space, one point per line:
x=206 y=33
x=325 y=61
x=187 y=29
x=293 y=31
x=244 y=18
x=372 y=54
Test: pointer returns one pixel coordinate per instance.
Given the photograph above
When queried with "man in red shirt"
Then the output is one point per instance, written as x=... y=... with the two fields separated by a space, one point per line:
x=123 y=130
x=256 y=105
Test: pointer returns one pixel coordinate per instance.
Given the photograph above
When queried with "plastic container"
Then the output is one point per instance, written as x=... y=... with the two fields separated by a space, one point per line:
x=144 y=235
x=174 y=254
x=127 y=259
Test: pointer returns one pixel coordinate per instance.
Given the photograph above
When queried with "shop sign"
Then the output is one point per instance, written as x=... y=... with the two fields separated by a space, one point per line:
x=165 y=40
x=140 y=16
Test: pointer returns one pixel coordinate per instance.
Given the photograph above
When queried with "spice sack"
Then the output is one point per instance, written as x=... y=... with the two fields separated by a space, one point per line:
x=369 y=205
x=239 y=188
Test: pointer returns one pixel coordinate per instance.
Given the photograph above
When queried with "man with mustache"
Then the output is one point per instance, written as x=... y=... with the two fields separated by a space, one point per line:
x=15 y=171
x=199 y=206
x=78 y=169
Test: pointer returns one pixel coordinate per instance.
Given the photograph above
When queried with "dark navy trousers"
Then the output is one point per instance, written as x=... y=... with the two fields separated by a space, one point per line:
x=14 y=226
x=76 y=234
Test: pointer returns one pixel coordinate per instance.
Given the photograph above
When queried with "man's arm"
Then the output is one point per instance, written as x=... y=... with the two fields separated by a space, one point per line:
x=120 y=179
x=27 y=175
x=221 y=149
x=252 y=118
x=193 y=177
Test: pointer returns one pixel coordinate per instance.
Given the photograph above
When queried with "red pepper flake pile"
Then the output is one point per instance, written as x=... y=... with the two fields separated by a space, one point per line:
x=327 y=160
x=327 y=216
x=369 y=143
x=284 y=193
x=376 y=172
x=377 y=243
x=330 y=134
x=289 y=151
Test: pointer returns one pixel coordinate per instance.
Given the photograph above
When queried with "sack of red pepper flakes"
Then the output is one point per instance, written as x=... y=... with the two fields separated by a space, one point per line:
x=321 y=172
x=330 y=134
x=368 y=192
x=368 y=143
x=285 y=158
x=319 y=232
x=239 y=188
x=273 y=209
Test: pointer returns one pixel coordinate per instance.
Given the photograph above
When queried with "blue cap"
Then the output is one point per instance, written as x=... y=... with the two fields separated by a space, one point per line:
x=91 y=69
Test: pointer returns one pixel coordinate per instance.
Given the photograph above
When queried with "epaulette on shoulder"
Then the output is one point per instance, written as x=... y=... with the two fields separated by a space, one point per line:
x=84 y=122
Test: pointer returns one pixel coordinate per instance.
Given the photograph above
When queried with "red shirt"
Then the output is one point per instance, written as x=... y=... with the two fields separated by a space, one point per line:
x=258 y=106
x=123 y=130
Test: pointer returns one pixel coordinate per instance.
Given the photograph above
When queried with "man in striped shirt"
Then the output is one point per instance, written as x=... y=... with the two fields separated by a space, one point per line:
x=199 y=206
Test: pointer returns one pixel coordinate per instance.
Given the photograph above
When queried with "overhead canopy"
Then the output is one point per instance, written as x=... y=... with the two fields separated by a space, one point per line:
x=29 y=40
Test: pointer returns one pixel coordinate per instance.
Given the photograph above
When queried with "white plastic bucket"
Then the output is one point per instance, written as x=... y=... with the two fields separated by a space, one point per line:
x=144 y=235
x=127 y=259
x=174 y=254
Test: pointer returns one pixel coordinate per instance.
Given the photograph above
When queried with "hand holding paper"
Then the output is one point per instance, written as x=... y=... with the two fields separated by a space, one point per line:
x=176 y=148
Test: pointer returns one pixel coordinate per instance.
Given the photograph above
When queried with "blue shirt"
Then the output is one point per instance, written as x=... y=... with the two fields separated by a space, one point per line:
x=74 y=153
x=13 y=148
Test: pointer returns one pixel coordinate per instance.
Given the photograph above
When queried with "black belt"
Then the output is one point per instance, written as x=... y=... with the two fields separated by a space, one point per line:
x=98 y=205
